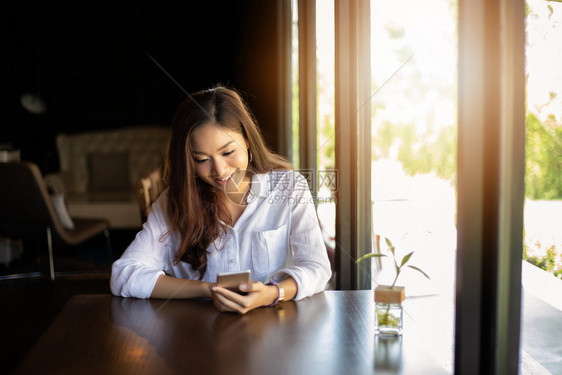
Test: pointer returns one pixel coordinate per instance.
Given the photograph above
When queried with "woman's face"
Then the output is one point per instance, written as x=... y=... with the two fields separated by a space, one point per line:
x=221 y=157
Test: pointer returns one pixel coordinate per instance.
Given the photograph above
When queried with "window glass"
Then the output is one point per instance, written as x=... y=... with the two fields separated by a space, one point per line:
x=542 y=265
x=414 y=127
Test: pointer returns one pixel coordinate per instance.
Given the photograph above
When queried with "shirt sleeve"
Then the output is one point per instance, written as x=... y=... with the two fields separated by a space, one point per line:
x=146 y=258
x=310 y=265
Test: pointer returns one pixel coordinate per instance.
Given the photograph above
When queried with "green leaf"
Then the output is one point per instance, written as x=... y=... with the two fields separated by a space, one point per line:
x=390 y=245
x=371 y=255
x=406 y=258
x=419 y=270
x=388 y=242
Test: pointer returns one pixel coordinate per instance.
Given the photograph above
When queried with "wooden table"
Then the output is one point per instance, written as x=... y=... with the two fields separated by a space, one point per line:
x=329 y=333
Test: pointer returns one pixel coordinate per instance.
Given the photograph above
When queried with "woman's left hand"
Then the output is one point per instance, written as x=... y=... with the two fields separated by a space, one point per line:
x=257 y=295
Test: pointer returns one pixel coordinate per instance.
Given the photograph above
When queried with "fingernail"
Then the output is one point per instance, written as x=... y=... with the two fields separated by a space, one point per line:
x=243 y=287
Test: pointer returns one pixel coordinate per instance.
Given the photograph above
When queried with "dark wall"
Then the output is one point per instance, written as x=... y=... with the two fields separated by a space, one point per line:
x=90 y=64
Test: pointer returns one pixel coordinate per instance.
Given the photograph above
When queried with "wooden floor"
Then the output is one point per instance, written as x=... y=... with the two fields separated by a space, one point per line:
x=30 y=304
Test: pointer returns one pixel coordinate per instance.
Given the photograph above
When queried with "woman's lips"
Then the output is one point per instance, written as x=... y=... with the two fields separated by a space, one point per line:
x=224 y=181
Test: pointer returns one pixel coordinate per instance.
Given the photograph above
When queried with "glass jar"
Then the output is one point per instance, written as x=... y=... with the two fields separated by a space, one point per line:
x=388 y=310
x=388 y=318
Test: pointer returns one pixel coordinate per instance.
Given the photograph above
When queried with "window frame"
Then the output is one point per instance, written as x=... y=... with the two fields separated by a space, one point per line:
x=353 y=141
x=307 y=85
x=491 y=172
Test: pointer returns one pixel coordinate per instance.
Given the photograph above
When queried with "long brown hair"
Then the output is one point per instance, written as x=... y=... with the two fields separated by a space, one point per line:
x=194 y=210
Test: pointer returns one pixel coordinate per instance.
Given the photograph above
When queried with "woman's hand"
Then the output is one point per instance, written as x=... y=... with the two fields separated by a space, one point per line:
x=258 y=295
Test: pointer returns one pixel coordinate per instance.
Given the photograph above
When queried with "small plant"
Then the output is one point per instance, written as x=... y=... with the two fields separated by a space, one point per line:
x=397 y=267
x=388 y=316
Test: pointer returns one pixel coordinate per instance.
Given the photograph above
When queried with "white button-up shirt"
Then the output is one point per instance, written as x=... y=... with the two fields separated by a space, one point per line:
x=277 y=235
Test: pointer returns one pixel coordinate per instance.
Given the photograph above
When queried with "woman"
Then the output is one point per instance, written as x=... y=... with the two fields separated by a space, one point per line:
x=231 y=205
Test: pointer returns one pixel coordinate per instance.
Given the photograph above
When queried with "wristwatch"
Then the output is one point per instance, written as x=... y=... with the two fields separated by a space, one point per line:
x=280 y=293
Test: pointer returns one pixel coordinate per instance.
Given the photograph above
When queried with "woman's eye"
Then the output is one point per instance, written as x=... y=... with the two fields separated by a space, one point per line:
x=199 y=161
x=228 y=153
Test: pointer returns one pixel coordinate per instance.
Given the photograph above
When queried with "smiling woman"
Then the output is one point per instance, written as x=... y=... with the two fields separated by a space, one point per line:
x=231 y=205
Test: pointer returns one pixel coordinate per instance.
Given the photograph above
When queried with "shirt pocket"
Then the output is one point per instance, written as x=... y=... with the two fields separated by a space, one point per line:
x=269 y=250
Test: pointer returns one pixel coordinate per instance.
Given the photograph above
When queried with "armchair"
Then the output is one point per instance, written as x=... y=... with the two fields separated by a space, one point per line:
x=27 y=212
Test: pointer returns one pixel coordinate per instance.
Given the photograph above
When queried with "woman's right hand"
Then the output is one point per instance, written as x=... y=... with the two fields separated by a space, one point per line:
x=258 y=295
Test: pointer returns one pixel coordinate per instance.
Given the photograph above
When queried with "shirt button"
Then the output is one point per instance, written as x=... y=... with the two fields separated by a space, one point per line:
x=232 y=261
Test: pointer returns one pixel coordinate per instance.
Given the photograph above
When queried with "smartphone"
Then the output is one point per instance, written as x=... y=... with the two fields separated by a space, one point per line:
x=232 y=280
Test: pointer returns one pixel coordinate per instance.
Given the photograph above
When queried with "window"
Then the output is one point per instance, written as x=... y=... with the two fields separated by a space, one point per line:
x=490 y=162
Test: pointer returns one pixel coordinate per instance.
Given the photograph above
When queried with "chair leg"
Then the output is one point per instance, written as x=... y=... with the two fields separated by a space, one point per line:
x=108 y=244
x=51 y=259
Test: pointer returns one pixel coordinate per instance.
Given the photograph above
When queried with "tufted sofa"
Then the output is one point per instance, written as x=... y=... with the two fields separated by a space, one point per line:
x=99 y=171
